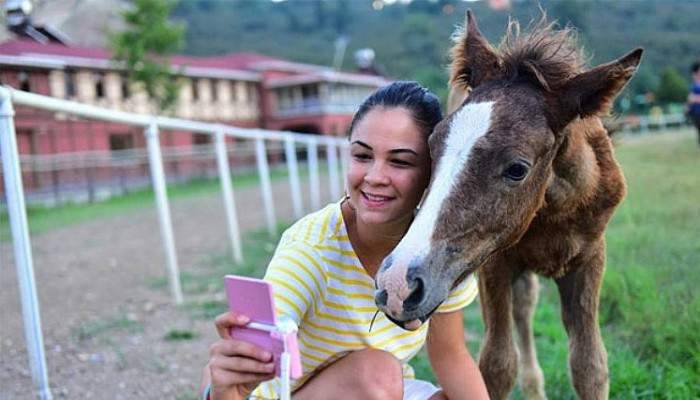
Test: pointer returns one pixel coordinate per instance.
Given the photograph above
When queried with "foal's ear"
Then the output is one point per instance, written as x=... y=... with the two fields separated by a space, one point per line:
x=592 y=92
x=474 y=61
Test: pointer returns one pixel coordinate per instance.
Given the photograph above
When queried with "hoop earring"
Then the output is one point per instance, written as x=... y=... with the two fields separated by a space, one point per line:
x=346 y=200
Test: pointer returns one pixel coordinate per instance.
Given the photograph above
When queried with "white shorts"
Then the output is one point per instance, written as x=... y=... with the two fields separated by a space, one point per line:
x=414 y=389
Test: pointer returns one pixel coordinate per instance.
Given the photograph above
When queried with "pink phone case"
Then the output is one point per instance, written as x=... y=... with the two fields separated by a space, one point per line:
x=253 y=298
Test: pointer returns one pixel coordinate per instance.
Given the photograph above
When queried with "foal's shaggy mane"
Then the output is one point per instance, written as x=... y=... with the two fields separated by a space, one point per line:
x=549 y=56
x=544 y=55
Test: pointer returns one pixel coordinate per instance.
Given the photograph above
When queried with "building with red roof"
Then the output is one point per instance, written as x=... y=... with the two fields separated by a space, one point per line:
x=242 y=89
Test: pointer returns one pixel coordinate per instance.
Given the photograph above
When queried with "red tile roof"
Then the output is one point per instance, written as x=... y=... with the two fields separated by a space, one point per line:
x=229 y=61
x=247 y=65
x=21 y=46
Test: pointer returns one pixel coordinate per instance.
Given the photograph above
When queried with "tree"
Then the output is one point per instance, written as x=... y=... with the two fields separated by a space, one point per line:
x=572 y=12
x=672 y=87
x=144 y=46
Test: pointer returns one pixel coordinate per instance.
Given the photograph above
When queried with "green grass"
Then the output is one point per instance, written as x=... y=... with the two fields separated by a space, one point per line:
x=42 y=219
x=99 y=327
x=176 y=335
x=650 y=311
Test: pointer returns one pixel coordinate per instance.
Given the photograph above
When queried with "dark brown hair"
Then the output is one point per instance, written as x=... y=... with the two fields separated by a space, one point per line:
x=423 y=105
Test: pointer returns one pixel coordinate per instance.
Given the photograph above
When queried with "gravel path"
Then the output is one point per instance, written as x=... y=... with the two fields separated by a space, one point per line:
x=104 y=322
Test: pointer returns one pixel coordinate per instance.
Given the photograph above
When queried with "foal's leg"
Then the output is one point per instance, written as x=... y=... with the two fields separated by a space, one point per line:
x=525 y=291
x=579 y=291
x=498 y=360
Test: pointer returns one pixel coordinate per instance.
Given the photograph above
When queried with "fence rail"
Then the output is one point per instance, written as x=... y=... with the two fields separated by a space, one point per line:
x=86 y=176
x=259 y=145
x=648 y=123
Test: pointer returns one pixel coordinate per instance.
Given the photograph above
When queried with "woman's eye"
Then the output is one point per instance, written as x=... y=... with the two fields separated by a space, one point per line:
x=402 y=163
x=362 y=157
x=516 y=171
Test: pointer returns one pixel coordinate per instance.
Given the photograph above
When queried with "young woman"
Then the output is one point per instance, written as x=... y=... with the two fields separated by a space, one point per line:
x=323 y=276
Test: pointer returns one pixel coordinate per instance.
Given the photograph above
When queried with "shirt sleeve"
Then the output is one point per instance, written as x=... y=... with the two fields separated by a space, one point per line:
x=297 y=277
x=461 y=296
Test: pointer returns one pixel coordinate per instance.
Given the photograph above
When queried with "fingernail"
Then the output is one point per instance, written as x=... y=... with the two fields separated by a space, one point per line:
x=270 y=366
x=267 y=355
x=242 y=319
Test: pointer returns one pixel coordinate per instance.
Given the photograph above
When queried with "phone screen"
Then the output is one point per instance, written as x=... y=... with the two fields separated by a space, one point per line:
x=251 y=297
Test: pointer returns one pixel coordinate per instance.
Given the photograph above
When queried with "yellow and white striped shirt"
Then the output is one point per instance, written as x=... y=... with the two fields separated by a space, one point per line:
x=320 y=284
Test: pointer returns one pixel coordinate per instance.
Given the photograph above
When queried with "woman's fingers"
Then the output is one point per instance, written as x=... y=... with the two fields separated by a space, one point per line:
x=238 y=348
x=224 y=322
x=243 y=365
x=221 y=376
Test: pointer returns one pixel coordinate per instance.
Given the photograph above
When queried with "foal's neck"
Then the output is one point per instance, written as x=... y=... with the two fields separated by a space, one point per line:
x=575 y=169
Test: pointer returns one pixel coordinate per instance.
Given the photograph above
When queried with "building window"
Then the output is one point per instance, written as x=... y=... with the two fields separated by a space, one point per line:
x=70 y=84
x=99 y=86
x=121 y=141
x=214 y=90
x=242 y=92
x=200 y=139
x=23 y=79
x=126 y=93
x=195 y=89
x=309 y=91
x=234 y=94
x=252 y=92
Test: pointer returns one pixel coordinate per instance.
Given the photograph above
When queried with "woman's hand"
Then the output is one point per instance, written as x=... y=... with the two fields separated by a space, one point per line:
x=236 y=367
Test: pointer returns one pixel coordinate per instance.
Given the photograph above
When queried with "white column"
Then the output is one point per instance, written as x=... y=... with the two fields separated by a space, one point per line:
x=332 y=159
x=344 y=164
x=314 y=183
x=229 y=200
x=22 y=247
x=290 y=152
x=155 y=159
x=264 y=173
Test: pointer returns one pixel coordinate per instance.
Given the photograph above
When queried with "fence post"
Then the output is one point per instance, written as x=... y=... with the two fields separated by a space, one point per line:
x=344 y=164
x=229 y=200
x=332 y=159
x=264 y=173
x=22 y=247
x=644 y=124
x=314 y=184
x=155 y=160
x=290 y=153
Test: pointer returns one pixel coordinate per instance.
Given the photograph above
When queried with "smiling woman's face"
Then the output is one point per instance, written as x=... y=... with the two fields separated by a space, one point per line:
x=389 y=166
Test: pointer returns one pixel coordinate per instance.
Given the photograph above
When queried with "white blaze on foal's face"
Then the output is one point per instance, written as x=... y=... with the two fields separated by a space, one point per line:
x=466 y=127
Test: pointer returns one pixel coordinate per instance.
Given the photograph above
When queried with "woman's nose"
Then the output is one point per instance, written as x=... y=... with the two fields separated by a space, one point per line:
x=376 y=175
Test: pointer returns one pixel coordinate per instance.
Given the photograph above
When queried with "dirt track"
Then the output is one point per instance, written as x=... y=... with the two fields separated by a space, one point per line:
x=100 y=273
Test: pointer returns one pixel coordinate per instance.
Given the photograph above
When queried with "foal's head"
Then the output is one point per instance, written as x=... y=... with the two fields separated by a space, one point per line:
x=493 y=159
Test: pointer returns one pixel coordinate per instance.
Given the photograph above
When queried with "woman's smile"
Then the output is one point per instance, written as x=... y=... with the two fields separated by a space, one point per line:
x=372 y=200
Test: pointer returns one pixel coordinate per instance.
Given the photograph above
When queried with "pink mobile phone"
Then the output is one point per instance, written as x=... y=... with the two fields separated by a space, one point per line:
x=253 y=298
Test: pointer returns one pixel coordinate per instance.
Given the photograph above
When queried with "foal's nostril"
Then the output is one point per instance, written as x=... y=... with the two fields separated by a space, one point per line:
x=380 y=298
x=416 y=296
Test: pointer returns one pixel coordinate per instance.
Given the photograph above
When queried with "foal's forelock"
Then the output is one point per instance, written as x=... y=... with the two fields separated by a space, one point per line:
x=466 y=127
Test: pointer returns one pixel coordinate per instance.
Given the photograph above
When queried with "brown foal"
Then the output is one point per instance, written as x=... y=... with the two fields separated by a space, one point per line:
x=524 y=183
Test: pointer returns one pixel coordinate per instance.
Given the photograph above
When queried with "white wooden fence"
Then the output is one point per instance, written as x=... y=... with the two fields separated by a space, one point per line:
x=152 y=126
x=647 y=124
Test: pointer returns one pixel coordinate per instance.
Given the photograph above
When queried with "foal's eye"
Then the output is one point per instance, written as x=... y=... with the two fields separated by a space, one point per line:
x=516 y=171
